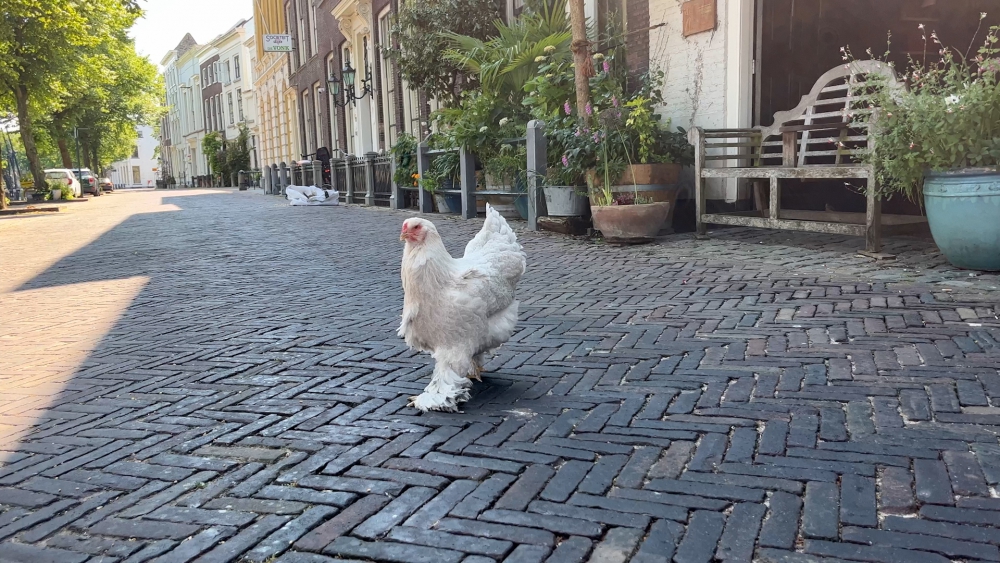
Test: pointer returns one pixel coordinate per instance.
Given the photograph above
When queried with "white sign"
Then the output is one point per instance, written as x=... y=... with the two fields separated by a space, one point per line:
x=278 y=43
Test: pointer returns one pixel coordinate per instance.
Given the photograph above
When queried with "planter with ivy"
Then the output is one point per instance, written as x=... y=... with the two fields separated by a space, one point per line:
x=941 y=139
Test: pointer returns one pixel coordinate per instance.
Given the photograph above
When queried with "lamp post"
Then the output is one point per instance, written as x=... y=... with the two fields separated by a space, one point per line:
x=76 y=137
x=347 y=83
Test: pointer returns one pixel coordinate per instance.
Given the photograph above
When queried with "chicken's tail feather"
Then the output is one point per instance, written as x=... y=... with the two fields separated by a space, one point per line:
x=495 y=223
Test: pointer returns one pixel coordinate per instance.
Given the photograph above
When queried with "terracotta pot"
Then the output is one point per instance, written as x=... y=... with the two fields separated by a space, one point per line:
x=630 y=224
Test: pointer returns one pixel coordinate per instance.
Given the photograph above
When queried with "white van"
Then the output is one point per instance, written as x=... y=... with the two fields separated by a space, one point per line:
x=67 y=176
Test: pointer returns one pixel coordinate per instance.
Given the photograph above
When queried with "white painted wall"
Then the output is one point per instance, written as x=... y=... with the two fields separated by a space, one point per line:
x=708 y=76
x=121 y=173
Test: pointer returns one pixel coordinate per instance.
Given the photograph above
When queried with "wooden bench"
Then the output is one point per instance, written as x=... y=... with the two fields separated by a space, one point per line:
x=818 y=140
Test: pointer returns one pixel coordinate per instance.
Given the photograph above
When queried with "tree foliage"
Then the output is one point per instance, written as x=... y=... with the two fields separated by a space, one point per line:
x=227 y=158
x=419 y=43
x=69 y=64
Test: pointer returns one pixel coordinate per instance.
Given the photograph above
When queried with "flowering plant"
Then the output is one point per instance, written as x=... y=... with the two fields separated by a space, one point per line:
x=616 y=129
x=948 y=118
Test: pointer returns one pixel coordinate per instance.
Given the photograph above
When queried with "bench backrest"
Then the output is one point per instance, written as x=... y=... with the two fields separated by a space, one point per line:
x=836 y=100
x=822 y=130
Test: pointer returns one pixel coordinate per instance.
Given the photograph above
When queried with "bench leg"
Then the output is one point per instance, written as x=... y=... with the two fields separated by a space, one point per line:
x=699 y=189
x=774 y=204
x=873 y=218
x=760 y=198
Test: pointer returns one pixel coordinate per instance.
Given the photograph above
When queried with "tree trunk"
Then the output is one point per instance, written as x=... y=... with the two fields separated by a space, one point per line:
x=584 y=68
x=28 y=136
x=3 y=185
x=67 y=158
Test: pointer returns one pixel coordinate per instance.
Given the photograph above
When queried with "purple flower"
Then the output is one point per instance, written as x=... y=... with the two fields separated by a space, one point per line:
x=577 y=134
x=589 y=109
x=607 y=66
x=565 y=161
x=614 y=101
x=568 y=108
x=597 y=138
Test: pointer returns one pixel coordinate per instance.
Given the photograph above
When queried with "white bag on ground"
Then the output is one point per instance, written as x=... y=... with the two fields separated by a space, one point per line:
x=311 y=195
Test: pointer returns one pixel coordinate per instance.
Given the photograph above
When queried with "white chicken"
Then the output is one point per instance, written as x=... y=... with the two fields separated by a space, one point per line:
x=458 y=310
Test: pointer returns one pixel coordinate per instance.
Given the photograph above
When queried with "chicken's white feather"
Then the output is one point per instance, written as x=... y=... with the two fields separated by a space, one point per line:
x=461 y=309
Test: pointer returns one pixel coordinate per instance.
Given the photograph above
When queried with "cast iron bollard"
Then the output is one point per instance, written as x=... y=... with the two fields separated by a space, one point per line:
x=467 y=181
x=318 y=173
x=425 y=201
x=370 y=178
x=396 y=197
x=537 y=156
x=283 y=177
x=349 y=176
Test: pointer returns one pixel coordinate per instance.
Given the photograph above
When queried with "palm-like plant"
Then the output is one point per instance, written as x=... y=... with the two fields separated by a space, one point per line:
x=504 y=63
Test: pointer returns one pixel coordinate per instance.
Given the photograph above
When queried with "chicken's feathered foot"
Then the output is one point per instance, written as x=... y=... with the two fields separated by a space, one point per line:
x=446 y=390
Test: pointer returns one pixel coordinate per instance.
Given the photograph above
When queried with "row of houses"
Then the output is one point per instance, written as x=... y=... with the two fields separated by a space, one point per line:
x=209 y=88
x=727 y=64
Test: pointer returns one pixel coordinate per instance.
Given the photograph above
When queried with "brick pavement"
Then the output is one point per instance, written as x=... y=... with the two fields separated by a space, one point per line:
x=216 y=378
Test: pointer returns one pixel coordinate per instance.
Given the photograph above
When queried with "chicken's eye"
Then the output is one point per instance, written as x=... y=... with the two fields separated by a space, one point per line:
x=417 y=228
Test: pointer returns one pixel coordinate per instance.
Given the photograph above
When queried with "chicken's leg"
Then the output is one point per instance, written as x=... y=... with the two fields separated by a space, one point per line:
x=447 y=388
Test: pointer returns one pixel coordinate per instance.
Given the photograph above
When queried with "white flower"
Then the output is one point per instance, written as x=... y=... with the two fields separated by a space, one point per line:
x=504 y=121
x=952 y=100
x=540 y=59
x=484 y=129
x=552 y=48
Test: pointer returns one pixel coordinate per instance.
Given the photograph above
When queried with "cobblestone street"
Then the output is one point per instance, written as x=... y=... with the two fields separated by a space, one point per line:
x=215 y=376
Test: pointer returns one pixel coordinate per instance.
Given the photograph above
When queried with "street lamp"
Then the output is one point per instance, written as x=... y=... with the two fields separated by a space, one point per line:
x=348 y=80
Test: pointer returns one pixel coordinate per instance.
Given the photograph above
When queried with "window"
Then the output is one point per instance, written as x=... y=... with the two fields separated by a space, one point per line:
x=139 y=132
x=296 y=54
x=303 y=31
x=388 y=81
x=309 y=131
x=318 y=115
x=135 y=152
x=331 y=70
x=209 y=124
x=228 y=73
x=222 y=111
x=229 y=100
x=312 y=31
x=239 y=103
x=236 y=66
x=349 y=112
x=211 y=74
x=204 y=76
x=136 y=175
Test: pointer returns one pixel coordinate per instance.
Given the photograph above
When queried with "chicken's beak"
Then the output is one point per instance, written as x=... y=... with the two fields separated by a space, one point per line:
x=403 y=236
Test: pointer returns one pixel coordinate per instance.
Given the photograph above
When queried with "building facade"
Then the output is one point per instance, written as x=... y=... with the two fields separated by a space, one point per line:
x=277 y=134
x=141 y=169
x=182 y=127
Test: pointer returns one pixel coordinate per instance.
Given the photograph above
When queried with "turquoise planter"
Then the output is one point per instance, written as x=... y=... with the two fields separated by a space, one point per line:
x=963 y=210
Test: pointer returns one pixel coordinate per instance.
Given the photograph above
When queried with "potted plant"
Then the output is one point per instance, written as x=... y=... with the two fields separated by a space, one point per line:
x=443 y=174
x=564 y=186
x=940 y=138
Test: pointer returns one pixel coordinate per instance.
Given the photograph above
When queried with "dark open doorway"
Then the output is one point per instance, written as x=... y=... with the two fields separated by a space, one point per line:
x=798 y=40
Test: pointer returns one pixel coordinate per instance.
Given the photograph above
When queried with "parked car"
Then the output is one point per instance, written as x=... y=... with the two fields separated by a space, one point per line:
x=106 y=185
x=88 y=181
x=67 y=176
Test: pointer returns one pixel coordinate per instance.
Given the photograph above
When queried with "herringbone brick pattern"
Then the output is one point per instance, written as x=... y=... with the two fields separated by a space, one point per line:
x=248 y=403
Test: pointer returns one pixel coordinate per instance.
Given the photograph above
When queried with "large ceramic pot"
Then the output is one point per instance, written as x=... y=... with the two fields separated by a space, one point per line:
x=448 y=203
x=963 y=210
x=565 y=201
x=630 y=224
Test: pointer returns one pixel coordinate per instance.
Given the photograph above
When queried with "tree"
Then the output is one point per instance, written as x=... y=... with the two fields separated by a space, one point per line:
x=43 y=43
x=583 y=69
x=418 y=43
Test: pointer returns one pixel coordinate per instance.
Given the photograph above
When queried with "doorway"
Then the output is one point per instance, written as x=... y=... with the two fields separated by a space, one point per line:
x=798 y=40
